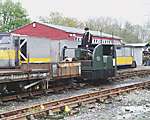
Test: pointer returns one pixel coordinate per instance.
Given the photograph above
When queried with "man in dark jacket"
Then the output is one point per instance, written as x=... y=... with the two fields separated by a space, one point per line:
x=87 y=38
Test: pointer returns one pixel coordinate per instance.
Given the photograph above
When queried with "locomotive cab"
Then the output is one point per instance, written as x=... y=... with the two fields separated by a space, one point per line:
x=96 y=61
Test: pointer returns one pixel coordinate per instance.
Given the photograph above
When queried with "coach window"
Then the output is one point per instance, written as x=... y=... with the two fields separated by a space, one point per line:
x=119 y=51
x=5 y=39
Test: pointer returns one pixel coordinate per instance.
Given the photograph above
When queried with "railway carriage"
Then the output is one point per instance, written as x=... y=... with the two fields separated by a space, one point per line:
x=18 y=50
x=125 y=56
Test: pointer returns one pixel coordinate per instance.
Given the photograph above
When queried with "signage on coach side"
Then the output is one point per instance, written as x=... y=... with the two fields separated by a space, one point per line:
x=100 y=41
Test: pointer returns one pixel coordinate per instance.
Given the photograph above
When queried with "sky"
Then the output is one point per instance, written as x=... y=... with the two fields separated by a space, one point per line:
x=134 y=11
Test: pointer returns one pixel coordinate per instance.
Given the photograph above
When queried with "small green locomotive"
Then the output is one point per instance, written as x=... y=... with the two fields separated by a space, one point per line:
x=97 y=61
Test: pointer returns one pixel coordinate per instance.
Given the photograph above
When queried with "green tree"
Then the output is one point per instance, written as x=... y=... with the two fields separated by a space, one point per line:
x=59 y=19
x=128 y=32
x=146 y=31
x=12 y=15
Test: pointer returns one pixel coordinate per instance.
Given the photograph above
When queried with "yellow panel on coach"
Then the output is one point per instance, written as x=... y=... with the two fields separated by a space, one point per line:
x=122 y=60
x=37 y=60
x=7 y=54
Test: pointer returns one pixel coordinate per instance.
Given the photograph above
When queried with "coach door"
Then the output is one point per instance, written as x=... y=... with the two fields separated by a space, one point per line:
x=23 y=49
x=16 y=45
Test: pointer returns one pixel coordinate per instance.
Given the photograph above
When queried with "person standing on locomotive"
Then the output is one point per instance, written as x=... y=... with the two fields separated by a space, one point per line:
x=87 y=39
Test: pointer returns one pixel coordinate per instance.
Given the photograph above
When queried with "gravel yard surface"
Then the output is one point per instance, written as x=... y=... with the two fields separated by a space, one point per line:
x=131 y=106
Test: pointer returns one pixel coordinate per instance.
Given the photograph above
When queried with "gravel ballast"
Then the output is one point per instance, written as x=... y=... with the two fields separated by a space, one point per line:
x=129 y=106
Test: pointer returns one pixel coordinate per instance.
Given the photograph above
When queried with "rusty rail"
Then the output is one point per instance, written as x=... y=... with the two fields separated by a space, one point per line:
x=57 y=105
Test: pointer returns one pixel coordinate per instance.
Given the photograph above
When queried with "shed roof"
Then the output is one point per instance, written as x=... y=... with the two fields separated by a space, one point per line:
x=79 y=31
x=138 y=44
x=4 y=33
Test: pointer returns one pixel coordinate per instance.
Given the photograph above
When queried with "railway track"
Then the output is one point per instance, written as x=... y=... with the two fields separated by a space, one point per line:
x=130 y=74
x=52 y=89
x=120 y=76
x=74 y=101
